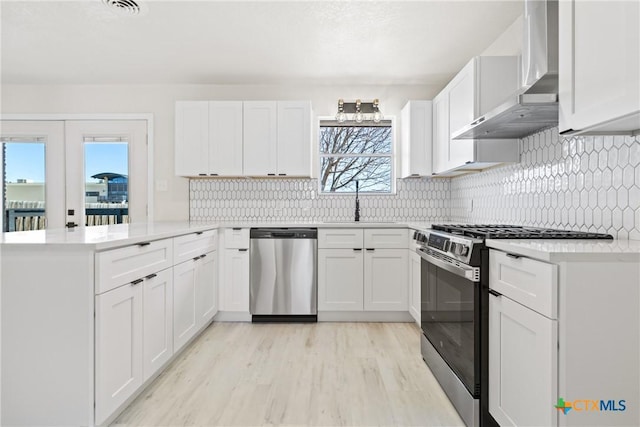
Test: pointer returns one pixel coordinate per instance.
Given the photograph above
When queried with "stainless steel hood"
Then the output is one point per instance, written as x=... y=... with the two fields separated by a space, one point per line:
x=535 y=106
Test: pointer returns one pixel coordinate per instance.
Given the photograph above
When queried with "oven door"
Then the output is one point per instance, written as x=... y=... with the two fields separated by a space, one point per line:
x=451 y=316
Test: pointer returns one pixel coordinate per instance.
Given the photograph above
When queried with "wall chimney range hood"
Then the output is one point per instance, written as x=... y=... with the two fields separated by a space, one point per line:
x=535 y=105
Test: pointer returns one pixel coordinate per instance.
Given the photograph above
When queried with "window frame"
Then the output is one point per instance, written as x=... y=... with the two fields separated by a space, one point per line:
x=392 y=155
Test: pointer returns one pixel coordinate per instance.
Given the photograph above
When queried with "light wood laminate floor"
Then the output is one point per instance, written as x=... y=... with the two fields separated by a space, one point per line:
x=322 y=374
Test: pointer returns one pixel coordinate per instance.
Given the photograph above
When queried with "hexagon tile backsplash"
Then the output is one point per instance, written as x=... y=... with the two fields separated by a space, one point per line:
x=577 y=183
x=298 y=200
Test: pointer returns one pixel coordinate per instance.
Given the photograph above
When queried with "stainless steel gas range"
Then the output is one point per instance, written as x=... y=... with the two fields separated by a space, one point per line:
x=454 y=321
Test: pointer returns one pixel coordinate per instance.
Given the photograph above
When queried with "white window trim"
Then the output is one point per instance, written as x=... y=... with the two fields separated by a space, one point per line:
x=394 y=160
x=116 y=116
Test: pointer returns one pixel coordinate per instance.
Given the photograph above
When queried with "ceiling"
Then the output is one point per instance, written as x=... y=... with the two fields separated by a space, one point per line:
x=242 y=42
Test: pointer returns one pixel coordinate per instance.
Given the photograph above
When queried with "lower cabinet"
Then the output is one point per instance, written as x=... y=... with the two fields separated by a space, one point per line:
x=385 y=280
x=340 y=279
x=158 y=321
x=194 y=297
x=358 y=279
x=119 y=347
x=415 y=297
x=523 y=365
x=235 y=286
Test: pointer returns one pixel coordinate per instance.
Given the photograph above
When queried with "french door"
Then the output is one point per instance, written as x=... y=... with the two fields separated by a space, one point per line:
x=82 y=172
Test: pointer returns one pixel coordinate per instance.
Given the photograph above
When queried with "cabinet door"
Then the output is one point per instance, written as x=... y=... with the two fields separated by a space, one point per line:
x=340 y=280
x=416 y=139
x=523 y=365
x=158 y=321
x=294 y=138
x=206 y=287
x=184 y=303
x=462 y=109
x=118 y=356
x=385 y=280
x=235 y=287
x=192 y=138
x=599 y=65
x=225 y=138
x=414 y=284
x=260 y=135
x=441 y=138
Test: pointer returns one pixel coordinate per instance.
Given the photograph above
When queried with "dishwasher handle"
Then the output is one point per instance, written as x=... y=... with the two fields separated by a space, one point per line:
x=282 y=235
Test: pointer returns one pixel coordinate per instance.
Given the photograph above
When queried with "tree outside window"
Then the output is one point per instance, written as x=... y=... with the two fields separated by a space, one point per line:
x=356 y=152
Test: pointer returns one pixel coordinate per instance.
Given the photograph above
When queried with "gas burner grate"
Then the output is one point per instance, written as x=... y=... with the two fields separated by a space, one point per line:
x=504 y=231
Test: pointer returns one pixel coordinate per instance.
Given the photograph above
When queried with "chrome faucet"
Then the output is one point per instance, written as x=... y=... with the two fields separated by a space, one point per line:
x=357 y=202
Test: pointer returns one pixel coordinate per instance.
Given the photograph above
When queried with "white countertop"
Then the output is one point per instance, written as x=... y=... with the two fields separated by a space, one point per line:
x=102 y=237
x=325 y=224
x=571 y=250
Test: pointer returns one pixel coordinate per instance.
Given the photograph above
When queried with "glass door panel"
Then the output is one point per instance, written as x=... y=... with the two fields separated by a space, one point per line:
x=24 y=184
x=32 y=154
x=106 y=195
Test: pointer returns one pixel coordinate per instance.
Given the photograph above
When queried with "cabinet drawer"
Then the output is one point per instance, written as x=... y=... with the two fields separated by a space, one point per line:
x=340 y=238
x=236 y=238
x=532 y=283
x=119 y=266
x=386 y=238
x=193 y=245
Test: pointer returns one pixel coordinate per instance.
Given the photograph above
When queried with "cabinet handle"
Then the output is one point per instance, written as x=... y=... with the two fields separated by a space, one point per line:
x=271 y=174
x=213 y=174
x=568 y=131
x=144 y=244
x=514 y=256
x=357 y=249
x=236 y=228
x=370 y=249
x=282 y=174
x=151 y=276
x=243 y=250
x=494 y=293
x=480 y=120
x=203 y=256
x=136 y=282
x=196 y=258
x=199 y=232
x=202 y=174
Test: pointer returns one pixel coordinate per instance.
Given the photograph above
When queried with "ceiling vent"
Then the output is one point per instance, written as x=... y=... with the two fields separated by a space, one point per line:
x=127 y=7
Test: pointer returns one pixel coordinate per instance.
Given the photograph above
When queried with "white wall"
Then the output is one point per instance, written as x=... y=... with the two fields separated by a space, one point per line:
x=173 y=204
x=509 y=42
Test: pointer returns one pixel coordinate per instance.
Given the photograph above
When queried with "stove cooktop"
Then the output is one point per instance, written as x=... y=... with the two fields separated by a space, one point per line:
x=502 y=231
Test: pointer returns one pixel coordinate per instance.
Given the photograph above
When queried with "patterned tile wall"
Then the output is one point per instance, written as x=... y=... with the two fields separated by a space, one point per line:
x=578 y=183
x=299 y=200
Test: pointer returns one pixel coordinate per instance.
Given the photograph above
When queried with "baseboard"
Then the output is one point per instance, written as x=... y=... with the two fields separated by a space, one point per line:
x=364 y=316
x=232 y=316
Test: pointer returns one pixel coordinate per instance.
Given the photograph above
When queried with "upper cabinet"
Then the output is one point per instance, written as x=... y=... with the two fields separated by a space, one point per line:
x=416 y=139
x=236 y=138
x=599 y=66
x=480 y=86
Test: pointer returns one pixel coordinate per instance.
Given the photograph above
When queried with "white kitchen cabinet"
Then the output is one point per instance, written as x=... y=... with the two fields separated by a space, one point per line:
x=523 y=365
x=340 y=279
x=386 y=238
x=484 y=83
x=415 y=307
x=385 y=280
x=208 y=138
x=416 y=136
x=191 y=145
x=184 y=303
x=260 y=138
x=234 y=289
x=225 y=138
x=207 y=288
x=119 y=346
x=294 y=138
x=157 y=311
x=599 y=66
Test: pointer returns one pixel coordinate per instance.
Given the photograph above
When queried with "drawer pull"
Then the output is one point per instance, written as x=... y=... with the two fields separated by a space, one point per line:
x=203 y=256
x=136 y=282
x=242 y=250
x=196 y=258
x=199 y=232
x=151 y=276
x=144 y=244
x=494 y=293
x=357 y=249
x=370 y=249
x=236 y=228
x=514 y=256
x=202 y=174
x=271 y=174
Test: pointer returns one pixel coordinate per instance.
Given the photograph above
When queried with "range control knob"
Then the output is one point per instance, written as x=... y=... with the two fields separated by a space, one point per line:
x=464 y=250
x=453 y=248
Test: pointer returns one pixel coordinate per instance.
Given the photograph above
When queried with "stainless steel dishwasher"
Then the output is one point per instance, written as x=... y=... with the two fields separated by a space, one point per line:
x=283 y=274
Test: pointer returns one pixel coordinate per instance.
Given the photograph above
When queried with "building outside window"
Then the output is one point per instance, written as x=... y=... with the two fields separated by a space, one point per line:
x=351 y=152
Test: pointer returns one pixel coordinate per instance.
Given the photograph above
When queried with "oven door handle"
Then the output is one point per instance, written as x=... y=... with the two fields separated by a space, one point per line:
x=468 y=273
